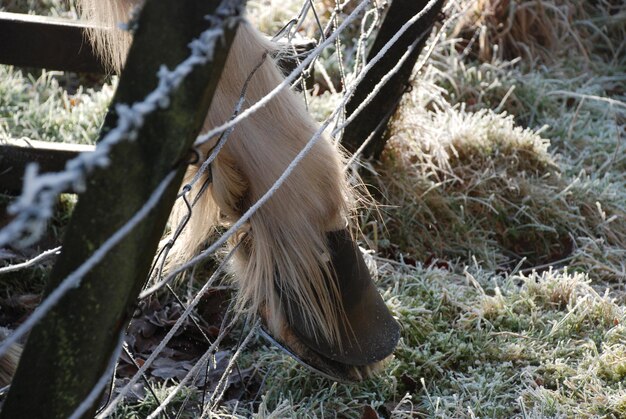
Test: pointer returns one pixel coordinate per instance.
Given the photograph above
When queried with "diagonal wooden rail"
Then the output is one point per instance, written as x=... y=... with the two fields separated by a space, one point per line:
x=70 y=349
x=371 y=123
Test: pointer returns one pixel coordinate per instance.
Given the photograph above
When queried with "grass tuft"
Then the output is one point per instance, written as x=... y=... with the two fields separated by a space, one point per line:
x=40 y=108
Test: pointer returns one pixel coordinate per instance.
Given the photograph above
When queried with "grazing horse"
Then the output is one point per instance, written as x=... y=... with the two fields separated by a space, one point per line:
x=296 y=263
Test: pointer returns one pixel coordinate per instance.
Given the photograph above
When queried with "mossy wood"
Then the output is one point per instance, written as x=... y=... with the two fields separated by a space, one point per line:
x=370 y=124
x=69 y=350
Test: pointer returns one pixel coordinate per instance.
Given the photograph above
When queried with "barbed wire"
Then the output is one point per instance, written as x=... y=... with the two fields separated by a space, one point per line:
x=312 y=141
x=34 y=207
x=223 y=131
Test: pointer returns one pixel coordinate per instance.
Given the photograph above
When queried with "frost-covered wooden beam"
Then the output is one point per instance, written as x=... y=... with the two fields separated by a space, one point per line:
x=16 y=154
x=371 y=121
x=46 y=42
x=71 y=348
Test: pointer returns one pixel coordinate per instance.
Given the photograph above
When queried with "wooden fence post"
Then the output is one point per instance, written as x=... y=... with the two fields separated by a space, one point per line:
x=68 y=351
x=370 y=124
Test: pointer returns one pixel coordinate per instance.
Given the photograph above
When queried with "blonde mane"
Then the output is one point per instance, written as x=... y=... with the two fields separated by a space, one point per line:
x=285 y=250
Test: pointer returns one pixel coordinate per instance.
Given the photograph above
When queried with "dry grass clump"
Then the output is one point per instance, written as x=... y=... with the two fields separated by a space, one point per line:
x=460 y=184
x=541 y=30
x=511 y=28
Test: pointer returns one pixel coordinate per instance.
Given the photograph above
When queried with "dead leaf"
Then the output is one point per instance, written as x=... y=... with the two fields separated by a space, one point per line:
x=369 y=413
